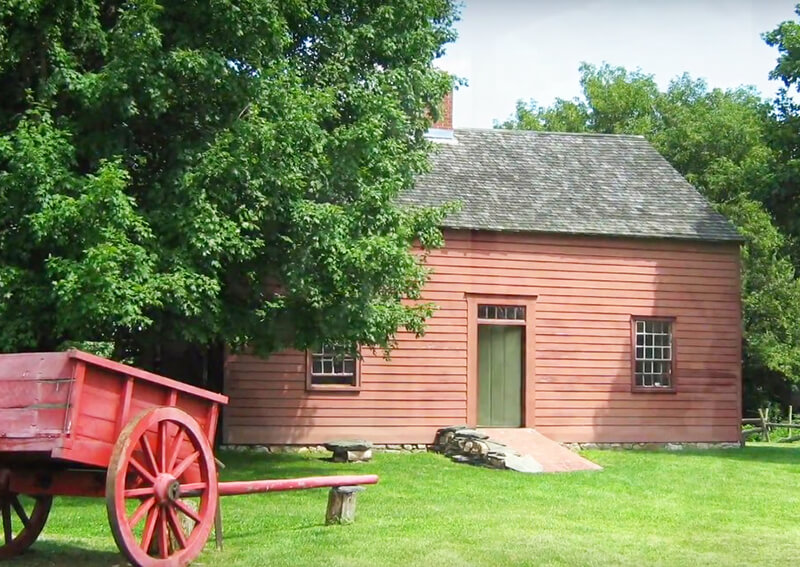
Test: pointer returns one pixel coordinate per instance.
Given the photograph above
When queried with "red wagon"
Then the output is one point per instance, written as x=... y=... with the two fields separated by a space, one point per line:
x=74 y=424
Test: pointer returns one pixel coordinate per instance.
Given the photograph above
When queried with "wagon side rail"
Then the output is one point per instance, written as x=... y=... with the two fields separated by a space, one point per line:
x=35 y=392
x=107 y=395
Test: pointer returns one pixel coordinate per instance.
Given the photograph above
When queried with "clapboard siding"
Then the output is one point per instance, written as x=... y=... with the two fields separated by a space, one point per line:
x=586 y=291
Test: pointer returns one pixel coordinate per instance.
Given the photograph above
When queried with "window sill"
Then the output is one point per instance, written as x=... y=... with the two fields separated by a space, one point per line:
x=332 y=388
x=653 y=390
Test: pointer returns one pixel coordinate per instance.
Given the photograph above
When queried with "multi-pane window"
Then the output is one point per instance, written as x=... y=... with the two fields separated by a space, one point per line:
x=507 y=312
x=654 y=352
x=332 y=366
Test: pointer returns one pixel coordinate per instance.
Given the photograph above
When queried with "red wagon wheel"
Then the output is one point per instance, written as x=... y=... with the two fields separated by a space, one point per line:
x=161 y=458
x=23 y=518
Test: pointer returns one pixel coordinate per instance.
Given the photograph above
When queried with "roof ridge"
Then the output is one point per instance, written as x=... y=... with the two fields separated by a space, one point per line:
x=551 y=133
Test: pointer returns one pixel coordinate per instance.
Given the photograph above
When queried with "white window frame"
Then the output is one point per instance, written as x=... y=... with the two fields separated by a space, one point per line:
x=653 y=360
x=328 y=363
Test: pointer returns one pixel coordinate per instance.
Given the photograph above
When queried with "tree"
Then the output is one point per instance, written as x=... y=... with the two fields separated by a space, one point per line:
x=770 y=306
x=719 y=140
x=784 y=198
x=214 y=172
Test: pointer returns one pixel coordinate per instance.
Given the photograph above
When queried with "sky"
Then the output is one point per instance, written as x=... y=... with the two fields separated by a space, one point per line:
x=531 y=49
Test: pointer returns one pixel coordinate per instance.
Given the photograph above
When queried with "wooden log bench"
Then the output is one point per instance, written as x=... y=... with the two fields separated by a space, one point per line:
x=341 y=509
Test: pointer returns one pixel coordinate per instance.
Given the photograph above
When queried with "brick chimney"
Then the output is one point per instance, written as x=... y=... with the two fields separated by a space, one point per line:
x=442 y=129
x=445 y=121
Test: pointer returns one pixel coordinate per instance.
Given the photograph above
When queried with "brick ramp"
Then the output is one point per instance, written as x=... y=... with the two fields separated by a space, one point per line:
x=552 y=456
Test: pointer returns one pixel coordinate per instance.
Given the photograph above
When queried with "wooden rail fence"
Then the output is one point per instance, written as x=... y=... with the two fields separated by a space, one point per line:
x=762 y=426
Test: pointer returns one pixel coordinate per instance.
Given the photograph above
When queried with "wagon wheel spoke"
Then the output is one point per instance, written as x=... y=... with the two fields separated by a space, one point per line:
x=175 y=448
x=187 y=510
x=150 y=456
x=18 y=535
x=162 y=446
x=175 y=526
x=163 y=535
x=8 y=534
x=185 y=464
x=139 y=492
x=149 y=528
x=20 y=510
x=143 y=472
x=140 y=512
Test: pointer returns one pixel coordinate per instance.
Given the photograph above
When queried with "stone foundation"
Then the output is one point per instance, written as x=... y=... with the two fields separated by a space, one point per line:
x=421 y=447
x=651 y=446
x=405 y=448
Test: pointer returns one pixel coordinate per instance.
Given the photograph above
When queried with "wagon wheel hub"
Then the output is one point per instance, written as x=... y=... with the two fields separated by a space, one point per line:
x=166 y=488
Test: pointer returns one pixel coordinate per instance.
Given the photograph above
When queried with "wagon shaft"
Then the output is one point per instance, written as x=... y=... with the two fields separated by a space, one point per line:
x=280 y=485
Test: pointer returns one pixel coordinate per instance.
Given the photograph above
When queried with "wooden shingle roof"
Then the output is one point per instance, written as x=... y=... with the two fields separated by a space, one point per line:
x=590 y=184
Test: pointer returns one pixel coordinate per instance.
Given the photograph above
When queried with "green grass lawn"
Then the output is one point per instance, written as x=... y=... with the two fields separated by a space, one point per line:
x=721 y=508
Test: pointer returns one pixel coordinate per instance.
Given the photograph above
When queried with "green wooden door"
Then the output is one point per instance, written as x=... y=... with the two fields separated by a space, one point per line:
x=500 y=375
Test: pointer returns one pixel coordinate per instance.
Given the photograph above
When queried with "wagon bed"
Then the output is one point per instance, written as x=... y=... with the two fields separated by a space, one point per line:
x=72 y=405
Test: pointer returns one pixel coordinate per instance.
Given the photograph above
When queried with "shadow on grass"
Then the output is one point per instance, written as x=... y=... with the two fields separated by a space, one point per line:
x=274 y=466
x=58 y=554
x=248 y=533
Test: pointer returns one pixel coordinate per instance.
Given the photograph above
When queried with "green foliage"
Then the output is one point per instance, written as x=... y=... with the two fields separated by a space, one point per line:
x=615 y=101
x=786 y=37
x=719 y=140
x=785 y=137
x=563 y=116
x=212 y=171
x=770 y=293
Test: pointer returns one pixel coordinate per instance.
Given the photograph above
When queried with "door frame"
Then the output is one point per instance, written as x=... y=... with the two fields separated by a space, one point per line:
x=528 y=393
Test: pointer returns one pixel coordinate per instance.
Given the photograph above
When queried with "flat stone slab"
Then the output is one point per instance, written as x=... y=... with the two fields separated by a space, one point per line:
x=495 y=447
x=451 y=429
x=348 y=445
x=470 y=434
x=523 y=464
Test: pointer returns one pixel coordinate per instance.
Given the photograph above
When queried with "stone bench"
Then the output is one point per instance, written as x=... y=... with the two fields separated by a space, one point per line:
x=349 y=451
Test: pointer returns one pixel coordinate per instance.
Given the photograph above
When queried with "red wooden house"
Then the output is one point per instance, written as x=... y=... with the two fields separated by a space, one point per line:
x=585 y=290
